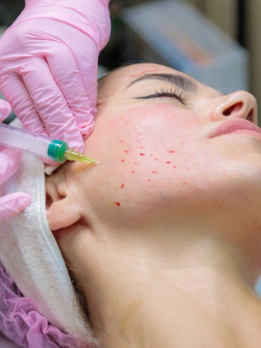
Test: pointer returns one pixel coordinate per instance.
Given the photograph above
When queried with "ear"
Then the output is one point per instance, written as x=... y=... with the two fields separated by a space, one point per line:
x=62 y=209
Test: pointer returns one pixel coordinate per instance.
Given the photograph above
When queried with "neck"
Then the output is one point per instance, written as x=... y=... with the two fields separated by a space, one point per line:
x=160 y=313
x=140 y=301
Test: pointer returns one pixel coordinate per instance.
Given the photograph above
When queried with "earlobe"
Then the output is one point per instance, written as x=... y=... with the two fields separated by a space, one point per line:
x=62 y=213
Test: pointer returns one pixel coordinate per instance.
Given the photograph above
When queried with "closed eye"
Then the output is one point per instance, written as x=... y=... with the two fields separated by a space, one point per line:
x=167 y=92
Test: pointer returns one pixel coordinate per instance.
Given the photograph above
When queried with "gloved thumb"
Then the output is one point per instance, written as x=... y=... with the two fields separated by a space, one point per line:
x=13 y=204
x=5 y=109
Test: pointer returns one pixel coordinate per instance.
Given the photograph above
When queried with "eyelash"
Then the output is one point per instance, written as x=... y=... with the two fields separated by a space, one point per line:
x=167 y=92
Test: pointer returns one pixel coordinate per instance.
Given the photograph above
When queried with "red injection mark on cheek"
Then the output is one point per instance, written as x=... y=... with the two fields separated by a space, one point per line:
x=126 y=151
x=122 y=185
x=122 y=160
x=171 y=151
x=117 y=203
x=142 y=154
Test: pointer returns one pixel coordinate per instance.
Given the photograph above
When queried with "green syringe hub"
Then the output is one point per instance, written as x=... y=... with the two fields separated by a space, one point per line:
x=58 y=151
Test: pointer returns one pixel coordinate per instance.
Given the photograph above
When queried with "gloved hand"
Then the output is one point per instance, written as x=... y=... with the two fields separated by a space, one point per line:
x=49 y=63
x=14 y=203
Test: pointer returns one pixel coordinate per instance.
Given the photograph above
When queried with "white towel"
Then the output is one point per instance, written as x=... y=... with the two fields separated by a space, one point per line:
x=30 y=254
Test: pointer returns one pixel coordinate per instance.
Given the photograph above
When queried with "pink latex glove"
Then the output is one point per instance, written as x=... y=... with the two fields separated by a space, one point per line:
x=49 y=64
x=14 y=203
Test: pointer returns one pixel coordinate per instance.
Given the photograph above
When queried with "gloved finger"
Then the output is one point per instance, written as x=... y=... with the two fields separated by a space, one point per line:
x=9 y=163
x=13 y=88
x=51 y=105
x=88 y=67
x=68 y=79
x=13 y=204
x=5 y=109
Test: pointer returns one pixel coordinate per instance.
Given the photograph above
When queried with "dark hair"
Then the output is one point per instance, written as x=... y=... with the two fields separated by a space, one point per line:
x=81 y=297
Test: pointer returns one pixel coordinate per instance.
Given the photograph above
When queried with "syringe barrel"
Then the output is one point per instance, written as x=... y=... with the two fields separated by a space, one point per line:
x=24 y=140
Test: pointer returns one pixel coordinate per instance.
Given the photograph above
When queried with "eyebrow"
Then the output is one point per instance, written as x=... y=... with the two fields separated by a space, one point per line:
x=180 y=81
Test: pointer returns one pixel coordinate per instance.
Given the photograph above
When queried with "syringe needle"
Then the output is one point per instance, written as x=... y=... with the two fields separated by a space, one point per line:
x=72 y=155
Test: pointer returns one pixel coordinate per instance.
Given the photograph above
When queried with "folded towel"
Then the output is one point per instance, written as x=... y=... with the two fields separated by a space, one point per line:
x=6 y=343
x=31 y=256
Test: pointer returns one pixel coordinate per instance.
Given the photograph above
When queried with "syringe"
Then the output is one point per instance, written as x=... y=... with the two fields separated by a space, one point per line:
x=40 y=145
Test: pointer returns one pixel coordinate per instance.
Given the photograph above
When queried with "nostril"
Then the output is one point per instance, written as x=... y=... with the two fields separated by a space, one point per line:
x=250 y=116
x=234 y=108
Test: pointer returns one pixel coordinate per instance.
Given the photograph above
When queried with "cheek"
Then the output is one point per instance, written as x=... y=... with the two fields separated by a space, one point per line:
x=160 y=125
x=148 y=154
x=160 y=139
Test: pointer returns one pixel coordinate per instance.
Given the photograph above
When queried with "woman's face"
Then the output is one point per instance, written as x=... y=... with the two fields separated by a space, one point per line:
x=167 y=194
x=159 y=164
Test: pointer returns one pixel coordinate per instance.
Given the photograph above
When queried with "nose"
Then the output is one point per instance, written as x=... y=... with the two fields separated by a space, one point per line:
x=237 y=105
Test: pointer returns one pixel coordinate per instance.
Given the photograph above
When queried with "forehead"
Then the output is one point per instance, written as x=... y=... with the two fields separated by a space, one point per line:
x=123 y=76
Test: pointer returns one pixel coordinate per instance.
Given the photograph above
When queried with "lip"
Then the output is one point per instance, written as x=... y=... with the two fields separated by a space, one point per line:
x=245 y=131
x=234 y=126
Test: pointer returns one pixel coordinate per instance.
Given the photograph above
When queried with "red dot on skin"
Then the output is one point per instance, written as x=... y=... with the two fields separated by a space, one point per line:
x=153 y=172
x=122 y=185
x=168 y=162
x=156 y=159
x=136 y=163
x=142 y=154
x=122 y=141
x=117 y=203
x=174 y=167
x=171 y=151
x=132 y=171
x=148 y=179
x=122 y=160
x=152 y=155
x=187 y=168
x=126 y=151
x=121 y=118
x=141 y=147
x=184 y=182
